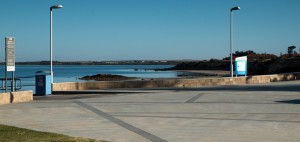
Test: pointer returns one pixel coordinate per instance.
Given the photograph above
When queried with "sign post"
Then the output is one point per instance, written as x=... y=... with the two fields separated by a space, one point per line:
x=241 y=66
x=10 y=60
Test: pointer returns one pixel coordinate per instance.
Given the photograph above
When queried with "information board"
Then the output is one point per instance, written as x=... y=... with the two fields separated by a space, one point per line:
x=10 y=53
x=241 y=65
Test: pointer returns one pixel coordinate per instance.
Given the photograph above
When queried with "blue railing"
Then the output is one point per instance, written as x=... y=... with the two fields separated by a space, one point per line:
x=8 y=83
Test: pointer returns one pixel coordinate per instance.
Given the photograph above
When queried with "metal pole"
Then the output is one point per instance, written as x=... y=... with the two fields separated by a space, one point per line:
x=5 y=67
x=12 y=81
x=15 y=85
x=231 y=64
x=5 y=78
x=51 y=66
x=51 y=71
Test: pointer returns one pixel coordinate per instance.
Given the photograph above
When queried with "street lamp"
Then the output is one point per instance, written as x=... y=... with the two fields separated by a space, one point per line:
x=231 y=64
x=52 y=7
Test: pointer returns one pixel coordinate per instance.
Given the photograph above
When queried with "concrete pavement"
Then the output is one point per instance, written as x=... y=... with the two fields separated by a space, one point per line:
x=260 y=113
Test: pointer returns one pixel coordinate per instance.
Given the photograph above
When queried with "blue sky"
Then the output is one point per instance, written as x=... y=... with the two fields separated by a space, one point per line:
x=100 y=30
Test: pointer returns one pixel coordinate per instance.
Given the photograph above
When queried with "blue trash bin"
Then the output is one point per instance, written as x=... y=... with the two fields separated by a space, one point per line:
x=43 y=83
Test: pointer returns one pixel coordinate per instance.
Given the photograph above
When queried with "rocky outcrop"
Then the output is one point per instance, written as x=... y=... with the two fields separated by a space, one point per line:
x=106 y=77
x=254 y=67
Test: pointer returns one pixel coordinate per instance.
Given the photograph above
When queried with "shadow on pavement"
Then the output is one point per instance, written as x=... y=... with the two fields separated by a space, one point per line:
x=67 y=95
x=290 y=88
x=290 y=101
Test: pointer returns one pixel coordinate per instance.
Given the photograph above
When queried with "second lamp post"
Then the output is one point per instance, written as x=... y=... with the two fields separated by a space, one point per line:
x=231 y=44
x=51 y=68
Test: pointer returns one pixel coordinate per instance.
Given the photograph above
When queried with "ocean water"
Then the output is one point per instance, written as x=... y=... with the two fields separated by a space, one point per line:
x=71 y=73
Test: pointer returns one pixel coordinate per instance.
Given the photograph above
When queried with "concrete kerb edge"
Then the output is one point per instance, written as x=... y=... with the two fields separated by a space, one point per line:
x=175 y=82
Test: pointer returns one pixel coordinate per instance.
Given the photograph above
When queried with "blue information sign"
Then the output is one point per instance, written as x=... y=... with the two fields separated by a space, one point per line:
x=241 y=66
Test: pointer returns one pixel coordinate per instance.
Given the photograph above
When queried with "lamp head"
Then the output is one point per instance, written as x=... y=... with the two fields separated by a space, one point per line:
x=235 y=8
x=56 y=6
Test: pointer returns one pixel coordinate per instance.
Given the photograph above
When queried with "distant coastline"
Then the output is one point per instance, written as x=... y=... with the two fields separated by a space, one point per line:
x=127 y=62
x=257 y=64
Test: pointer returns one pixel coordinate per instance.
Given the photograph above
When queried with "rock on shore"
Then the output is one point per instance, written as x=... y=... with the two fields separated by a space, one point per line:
x=106 y=77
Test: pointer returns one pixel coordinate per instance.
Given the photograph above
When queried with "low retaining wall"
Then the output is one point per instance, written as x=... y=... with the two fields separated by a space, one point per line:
x=158 y=83
x=16 y=97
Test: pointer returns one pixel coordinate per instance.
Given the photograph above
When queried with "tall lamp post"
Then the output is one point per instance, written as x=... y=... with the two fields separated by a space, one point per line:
x=51 y=68
x=231 y=63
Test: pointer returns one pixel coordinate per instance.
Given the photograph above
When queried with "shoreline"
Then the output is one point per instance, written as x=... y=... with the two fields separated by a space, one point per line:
x=181 y=74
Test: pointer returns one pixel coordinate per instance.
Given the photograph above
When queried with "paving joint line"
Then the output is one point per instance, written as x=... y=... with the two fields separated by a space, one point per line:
x=195 y=98
x=121 y=123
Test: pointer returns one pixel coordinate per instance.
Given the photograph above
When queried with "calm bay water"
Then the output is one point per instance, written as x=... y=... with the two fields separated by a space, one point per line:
x=71 y=73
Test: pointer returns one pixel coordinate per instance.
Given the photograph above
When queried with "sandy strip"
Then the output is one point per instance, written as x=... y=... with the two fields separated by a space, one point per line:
x=208 y=72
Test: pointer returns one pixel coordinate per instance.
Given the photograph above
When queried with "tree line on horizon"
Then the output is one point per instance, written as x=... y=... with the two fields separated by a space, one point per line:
x=251 y=55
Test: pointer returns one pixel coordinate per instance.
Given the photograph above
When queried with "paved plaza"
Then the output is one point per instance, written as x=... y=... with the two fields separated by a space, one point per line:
x=245 y=113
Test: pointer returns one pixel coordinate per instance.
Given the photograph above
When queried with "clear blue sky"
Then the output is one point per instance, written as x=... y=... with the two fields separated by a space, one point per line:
x=147 y=29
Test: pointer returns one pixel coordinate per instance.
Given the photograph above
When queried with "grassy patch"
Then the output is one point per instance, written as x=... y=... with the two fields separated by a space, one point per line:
x=13 y=134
